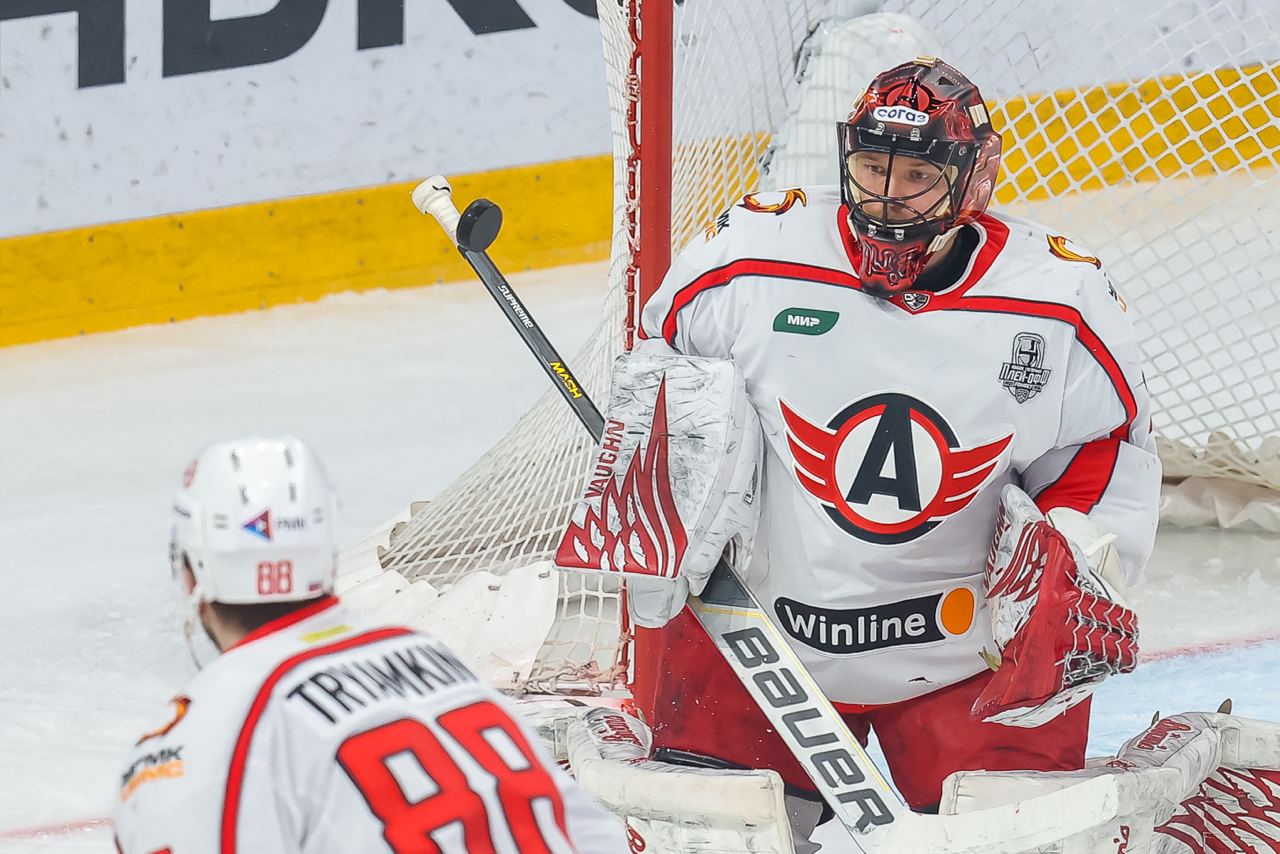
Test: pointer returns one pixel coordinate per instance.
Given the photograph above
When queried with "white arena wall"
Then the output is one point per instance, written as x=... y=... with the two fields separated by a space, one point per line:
x=161 y=163
x=98 y=131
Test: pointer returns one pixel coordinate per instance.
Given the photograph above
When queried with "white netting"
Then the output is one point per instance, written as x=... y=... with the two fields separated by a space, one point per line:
x=1162 y=159
x=508 y=511
x=1147 y=131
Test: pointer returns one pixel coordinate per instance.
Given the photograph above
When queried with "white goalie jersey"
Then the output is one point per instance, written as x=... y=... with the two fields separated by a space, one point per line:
x=890 y=426
x=316 y=734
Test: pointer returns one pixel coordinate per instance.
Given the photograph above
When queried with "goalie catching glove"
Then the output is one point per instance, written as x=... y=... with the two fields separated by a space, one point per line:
x=672 y=483
x=1059 y=619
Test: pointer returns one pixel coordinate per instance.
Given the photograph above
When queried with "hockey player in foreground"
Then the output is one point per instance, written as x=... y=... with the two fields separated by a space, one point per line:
x=310 y=731
x=957 y=485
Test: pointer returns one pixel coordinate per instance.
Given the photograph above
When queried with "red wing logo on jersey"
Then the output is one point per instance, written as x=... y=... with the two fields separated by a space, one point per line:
x=888 y=469
x=754 y=202
x=632 y=524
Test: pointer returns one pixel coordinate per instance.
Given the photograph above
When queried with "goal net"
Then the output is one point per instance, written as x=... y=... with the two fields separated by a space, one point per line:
x=1147 y=131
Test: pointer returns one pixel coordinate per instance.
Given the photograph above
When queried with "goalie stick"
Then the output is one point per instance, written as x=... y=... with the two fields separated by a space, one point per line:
x=751 y=644
x=472 y=232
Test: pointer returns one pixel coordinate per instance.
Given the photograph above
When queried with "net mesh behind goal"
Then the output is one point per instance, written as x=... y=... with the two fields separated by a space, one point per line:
x=1147 y=131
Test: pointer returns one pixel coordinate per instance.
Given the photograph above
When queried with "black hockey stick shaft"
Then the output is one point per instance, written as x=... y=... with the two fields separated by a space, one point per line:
x=728 y=611
x=552 y=364
x=473 y=232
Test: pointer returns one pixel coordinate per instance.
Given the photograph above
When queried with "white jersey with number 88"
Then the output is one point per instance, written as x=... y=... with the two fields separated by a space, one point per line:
x=316 y=734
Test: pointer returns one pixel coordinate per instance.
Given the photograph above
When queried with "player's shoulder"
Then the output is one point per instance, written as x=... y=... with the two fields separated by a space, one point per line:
x=161 y=751
x=198 y=723
x=235 y=689
x=171 y=784
x=363 y=669
x=772 y=223
x=1040 y=264
x=318 y=665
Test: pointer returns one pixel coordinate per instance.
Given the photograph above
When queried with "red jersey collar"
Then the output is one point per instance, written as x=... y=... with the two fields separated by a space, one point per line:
x=992 y=236
x=281 y=623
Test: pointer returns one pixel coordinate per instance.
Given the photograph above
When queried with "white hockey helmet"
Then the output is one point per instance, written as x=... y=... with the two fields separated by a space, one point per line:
x=255 y=519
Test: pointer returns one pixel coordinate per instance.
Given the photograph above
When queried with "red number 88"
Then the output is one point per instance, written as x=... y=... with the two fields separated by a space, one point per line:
x=408 y=825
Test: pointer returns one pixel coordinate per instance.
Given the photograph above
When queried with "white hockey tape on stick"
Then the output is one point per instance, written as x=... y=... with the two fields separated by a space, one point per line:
x=434 y=196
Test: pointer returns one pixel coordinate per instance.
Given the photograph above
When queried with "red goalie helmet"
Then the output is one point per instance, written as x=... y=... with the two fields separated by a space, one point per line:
x=918 y=158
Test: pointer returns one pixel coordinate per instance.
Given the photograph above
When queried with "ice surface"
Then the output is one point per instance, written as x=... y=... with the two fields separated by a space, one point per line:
x=398 y=392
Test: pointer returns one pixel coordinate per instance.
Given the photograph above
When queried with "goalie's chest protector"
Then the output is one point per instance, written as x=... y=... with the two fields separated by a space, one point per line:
x=890 y=427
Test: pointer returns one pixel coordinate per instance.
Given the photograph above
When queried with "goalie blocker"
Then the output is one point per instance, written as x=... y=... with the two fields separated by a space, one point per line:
x=672 y=484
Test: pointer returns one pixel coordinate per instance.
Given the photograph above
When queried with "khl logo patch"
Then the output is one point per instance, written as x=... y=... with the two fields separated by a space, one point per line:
x=1024 y=375
x=915 y=300
x=888 y=469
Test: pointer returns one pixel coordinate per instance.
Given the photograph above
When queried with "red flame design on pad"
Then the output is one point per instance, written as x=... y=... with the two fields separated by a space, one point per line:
x=631 y=525
x=1233 y=811
x=1026 y=566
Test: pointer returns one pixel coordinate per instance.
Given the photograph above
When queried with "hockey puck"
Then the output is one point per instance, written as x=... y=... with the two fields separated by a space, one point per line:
x=479 y=225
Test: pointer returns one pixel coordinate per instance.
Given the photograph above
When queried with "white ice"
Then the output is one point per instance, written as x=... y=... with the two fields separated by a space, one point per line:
x=398 y=392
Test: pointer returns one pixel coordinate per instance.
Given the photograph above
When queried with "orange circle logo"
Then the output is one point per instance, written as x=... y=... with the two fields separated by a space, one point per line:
x=956 y=611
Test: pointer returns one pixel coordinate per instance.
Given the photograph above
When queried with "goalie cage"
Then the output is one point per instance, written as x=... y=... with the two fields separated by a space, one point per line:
x=1146 y=131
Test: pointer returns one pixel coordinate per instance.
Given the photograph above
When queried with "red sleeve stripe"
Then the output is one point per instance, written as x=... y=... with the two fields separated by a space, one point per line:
x=1086 y=336
x=750 y=267
x=240 y=755
x=721 y=276
x=1085 y=479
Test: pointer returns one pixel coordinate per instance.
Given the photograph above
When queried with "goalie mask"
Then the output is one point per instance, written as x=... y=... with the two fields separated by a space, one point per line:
x=255 y=520
x=918 y=158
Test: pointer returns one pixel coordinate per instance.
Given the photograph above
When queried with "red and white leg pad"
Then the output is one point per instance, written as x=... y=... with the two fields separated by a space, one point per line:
x=1059 y=619
x=1190 y=784
x=677 y=809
